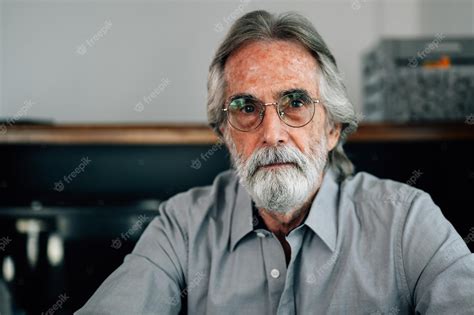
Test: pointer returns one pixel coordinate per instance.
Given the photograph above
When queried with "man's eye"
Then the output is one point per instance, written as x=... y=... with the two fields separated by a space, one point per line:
x=243 y=106
x=296 y=103
x=295 y=100
x=248 y=109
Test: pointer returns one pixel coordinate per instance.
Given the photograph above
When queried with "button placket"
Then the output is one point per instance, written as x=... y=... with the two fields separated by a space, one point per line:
x=287 y=302
x=275 y=268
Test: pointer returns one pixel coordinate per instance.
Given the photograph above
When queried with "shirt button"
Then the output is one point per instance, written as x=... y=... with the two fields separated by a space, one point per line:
x=260 y=234
x=275 y=273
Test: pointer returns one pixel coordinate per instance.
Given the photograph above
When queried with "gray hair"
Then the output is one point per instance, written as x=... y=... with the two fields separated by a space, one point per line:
x=262 y=26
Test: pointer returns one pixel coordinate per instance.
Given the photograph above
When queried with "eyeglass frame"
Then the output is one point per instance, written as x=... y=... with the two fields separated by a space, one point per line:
x=264 y=106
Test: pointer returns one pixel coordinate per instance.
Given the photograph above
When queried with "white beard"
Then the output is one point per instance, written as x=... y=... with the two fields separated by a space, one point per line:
x=285 y=188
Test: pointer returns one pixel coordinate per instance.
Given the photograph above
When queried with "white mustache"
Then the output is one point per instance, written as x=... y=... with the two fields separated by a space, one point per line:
x=275 y=155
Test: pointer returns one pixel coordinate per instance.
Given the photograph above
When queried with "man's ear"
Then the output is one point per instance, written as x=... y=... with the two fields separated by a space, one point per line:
x=333 y=135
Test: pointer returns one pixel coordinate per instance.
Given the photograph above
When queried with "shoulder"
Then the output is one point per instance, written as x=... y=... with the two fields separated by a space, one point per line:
x=365 y=187
x=383 y=200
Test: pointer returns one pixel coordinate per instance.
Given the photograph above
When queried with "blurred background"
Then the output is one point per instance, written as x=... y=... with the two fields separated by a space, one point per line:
x=103 y=116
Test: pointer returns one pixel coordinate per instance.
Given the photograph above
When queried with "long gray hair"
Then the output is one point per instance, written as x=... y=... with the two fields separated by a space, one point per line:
x=262 y=25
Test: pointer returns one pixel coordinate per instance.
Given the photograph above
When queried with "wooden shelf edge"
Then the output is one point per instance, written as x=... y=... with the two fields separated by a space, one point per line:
x=389 y=132
x=110 y=134
x=202 y=134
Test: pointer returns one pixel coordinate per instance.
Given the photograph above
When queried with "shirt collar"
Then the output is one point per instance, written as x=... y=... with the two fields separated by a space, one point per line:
x=242 y=216
x=321 y=217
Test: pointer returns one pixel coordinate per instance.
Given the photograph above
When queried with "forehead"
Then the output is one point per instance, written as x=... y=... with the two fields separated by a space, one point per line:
x=264 y=67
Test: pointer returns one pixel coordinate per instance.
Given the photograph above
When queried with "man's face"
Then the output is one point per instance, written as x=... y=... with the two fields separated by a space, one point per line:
x=264 y=69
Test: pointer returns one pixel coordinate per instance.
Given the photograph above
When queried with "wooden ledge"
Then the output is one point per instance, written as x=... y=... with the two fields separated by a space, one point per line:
x=201 y=134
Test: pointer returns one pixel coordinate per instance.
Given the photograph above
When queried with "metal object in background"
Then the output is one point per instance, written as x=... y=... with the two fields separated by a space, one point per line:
x=60 y=255
x=426 y=79
x=5 y=299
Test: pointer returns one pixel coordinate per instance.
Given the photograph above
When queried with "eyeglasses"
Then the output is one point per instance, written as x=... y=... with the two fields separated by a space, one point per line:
x=246 y=113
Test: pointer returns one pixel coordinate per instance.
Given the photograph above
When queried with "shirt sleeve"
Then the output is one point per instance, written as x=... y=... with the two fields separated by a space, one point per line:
x=151 y=278
x=438 y=265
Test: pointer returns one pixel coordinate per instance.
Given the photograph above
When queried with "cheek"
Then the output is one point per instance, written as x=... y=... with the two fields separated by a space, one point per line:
x=307 y=137
x=248 y=146
x=245 y=143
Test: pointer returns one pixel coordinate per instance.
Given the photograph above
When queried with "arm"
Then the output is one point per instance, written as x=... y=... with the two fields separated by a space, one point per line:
x=439 y=268
x=151 y=278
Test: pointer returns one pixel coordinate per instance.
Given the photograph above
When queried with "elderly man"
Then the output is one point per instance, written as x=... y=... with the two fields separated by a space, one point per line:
x=291 y=230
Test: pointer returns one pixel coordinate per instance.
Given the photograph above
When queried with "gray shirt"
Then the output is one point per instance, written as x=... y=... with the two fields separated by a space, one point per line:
x=367 y=246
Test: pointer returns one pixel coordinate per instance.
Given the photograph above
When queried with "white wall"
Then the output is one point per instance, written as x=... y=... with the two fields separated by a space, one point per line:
x=149 y=41
x=447 y=17
x=398 y=18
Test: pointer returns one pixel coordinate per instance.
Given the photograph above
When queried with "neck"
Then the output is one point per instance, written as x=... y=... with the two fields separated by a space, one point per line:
x=281 y=224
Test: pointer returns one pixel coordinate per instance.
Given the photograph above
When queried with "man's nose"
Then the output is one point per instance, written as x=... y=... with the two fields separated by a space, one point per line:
x=273 y=129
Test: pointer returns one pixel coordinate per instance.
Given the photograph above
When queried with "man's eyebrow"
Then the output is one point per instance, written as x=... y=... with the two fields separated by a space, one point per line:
x=276 y=95
x=280 y=94
x=240 y=95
